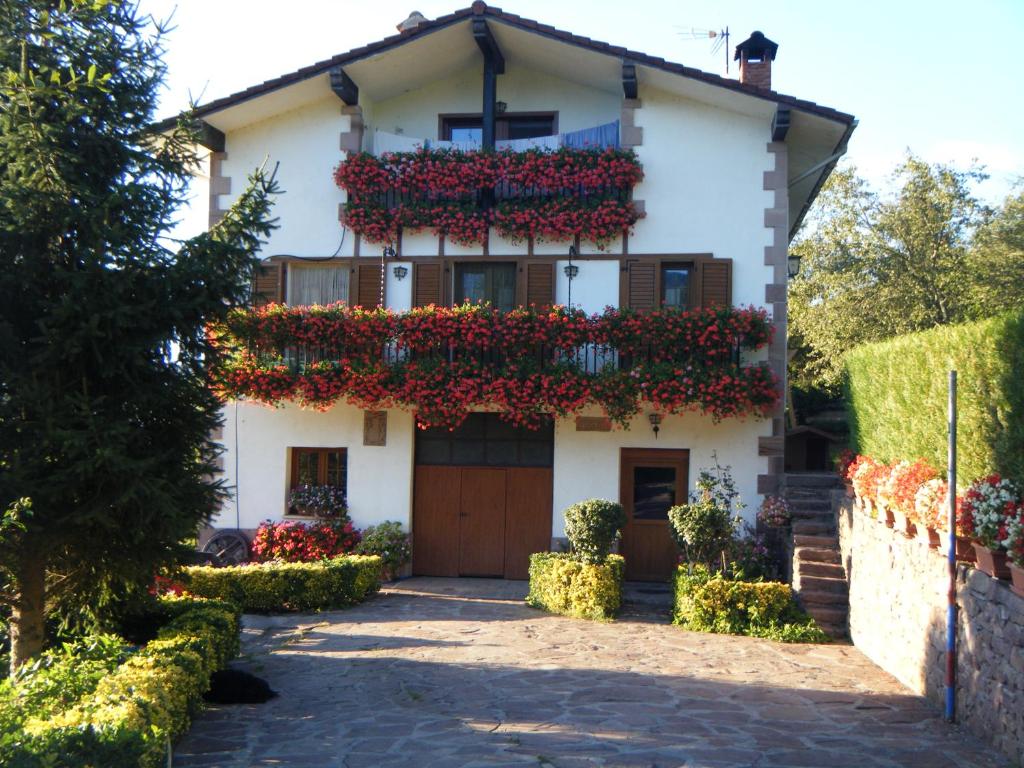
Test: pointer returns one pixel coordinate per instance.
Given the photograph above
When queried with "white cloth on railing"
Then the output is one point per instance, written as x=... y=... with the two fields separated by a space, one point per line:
x=521 y=145
x=394 y=142
x=600 y=136
x=462 y=146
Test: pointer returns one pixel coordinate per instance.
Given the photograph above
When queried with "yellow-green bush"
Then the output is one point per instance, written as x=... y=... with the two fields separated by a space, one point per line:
x=277 y=586
x=897 y=396
x=713 y=603
x=135 y=712
x=562 y=584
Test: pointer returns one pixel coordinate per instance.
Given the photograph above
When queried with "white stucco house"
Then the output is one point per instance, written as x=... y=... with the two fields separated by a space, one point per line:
x=729 y=168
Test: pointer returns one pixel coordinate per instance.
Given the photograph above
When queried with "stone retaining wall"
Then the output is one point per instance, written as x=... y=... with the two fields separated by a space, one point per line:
x=898 y=596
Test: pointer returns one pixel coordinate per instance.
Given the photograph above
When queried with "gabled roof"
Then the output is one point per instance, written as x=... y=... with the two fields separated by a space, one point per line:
x=817 y=135
x=480 y=9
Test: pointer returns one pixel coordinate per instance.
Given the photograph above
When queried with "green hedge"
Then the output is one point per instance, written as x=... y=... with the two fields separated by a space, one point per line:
x=277 y=586
x=562 y=584
x=897 y=393
x=135 y=712
x=706 y=603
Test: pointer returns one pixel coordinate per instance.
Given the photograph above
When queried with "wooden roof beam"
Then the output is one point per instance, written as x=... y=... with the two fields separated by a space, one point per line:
x=344 y=87
x=488 y=45
x=210 y=137
x=780 y=124
x=630 y=85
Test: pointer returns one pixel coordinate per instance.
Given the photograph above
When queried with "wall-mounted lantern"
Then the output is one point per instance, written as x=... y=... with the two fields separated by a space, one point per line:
x=400 y=272
x=793 y=264
x=655 y=419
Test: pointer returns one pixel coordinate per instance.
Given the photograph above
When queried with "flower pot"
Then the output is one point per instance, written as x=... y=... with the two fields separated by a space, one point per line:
x=992 y=563
x=1017 y=578
x=901 y=523
x=965 y=550
x=887 y=515
x=849 y=489
x=928 y=536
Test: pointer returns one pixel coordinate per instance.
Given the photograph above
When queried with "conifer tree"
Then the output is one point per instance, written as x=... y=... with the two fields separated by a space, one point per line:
x=106 y=461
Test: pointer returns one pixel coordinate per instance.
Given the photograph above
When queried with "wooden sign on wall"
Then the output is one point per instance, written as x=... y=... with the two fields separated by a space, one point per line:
x=375 y=428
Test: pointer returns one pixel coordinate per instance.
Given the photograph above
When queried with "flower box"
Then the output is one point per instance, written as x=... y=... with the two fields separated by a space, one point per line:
x=928 y=536
x=1017 y=578
x=992 y=562
x=965 y=550
x=901 y=523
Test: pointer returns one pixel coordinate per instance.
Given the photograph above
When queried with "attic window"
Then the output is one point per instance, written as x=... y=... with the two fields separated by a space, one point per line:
x=529 y=125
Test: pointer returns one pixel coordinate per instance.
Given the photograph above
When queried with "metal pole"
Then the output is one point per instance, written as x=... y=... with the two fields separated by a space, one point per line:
x=951 y=611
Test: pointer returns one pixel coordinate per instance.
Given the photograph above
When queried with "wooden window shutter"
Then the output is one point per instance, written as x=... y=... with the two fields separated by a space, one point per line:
x=268 y=283
x=641 y=285
x=426 y=288
x=540 y=283
x=716 y=282
x=367 y=292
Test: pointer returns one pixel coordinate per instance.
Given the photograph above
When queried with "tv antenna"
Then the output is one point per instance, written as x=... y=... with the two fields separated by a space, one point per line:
x=720 y=37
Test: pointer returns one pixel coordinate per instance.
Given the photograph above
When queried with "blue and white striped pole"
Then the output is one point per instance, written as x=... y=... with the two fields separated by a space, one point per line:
x=951 y=610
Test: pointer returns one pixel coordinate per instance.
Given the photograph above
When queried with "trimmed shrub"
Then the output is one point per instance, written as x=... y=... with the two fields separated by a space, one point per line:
x=706 y=603
x=136 y=711
x=560 y=583
x=897 y=396
x=277 y=586
x=592 y=526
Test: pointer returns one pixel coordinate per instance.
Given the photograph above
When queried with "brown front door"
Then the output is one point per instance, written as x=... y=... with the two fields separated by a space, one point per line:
x=653 y=480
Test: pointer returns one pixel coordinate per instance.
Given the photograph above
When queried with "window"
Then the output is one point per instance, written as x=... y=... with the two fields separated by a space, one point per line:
x=484 y=440
x=316 y=284
x=470 y=127
x=320 y=466
x=483 y=281
x=676 y=280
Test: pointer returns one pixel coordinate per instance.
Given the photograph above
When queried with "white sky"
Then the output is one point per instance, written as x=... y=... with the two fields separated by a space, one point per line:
x=941 y=78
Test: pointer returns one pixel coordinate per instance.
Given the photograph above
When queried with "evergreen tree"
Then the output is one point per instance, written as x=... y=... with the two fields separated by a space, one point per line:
x=106 y=462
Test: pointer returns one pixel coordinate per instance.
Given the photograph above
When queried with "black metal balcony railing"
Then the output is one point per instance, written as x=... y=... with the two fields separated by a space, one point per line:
x=588 y=359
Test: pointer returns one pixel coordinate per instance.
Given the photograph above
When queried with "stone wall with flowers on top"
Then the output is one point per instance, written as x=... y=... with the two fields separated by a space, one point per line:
x=898 y=608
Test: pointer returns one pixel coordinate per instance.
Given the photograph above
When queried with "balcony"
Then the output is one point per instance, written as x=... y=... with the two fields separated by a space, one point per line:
x=443 y=363
x=554 y=195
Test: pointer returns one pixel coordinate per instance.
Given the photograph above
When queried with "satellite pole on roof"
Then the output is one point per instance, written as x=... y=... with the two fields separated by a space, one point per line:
x=720 y=36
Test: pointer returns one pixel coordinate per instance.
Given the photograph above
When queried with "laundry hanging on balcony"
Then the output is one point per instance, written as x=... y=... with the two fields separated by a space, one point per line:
x=598 y=137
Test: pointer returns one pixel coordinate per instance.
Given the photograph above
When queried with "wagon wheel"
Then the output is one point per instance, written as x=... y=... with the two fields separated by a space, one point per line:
x=230 y=547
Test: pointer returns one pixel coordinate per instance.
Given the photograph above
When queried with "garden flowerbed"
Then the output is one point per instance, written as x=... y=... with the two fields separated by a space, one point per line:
x=706 y=602
x=102 y=703
x=279 y=586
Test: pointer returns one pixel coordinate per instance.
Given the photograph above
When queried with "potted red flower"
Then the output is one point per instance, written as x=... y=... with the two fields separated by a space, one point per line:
x=1015 y=545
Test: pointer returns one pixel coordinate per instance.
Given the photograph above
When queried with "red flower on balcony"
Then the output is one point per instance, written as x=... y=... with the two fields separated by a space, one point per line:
x=444 y=362
x=548 y=195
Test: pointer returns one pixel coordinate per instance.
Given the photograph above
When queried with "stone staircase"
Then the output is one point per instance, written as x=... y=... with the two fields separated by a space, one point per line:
x=819 y=579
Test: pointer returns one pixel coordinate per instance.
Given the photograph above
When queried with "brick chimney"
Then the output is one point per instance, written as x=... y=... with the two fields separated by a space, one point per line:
x=755 y=55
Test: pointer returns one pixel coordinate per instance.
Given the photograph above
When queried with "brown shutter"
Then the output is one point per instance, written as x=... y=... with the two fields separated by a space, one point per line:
x=426 y=287
x=540 y=283
x=268 y=283
x=640 y=285
x=367 y=288
x=716 y=282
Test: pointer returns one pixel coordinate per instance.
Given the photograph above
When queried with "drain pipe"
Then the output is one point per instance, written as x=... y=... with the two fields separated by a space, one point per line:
x=951 y=610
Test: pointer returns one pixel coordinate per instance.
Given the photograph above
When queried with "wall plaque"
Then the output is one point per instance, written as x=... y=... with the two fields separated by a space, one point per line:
x=375 y=428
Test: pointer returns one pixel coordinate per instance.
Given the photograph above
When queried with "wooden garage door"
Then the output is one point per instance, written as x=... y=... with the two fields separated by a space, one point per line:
x=482 y=499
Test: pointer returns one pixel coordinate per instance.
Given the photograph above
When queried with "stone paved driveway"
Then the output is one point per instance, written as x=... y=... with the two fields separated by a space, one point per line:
x=437 y=672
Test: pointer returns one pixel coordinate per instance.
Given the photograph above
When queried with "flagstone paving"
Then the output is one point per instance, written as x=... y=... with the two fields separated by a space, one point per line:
x=439 y=672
